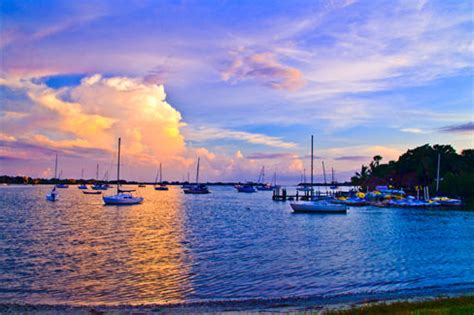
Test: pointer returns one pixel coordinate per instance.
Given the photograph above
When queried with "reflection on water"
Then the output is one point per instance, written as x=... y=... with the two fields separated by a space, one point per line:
x=182 y=248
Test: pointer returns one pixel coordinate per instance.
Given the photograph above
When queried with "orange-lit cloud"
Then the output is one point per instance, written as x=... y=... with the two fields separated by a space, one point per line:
x=264 y=67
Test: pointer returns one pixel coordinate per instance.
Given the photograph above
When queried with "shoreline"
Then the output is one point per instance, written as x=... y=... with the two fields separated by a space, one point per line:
x=463 y=302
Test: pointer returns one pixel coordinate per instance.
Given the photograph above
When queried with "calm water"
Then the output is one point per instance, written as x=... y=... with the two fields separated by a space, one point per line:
x=181 y=248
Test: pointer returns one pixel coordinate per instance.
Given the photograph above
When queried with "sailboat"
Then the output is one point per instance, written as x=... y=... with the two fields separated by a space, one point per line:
x=161 y=186
x=123 y=197
x=304 y=187
x=59 y=185
x=246 y=188
x=262 y=186
x=53 y=195
x=333 y=180
x=82 y=186
x=186 y=184
x=317 y=206
x=98 y=186
x=197 y=189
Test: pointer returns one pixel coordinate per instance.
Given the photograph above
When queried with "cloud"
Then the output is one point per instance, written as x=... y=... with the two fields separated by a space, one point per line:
x=202 y=134
x=271 y=156
x=461 y=128
x=351 y=158
x=265 y=68
x=414 y=130
x=92 y=115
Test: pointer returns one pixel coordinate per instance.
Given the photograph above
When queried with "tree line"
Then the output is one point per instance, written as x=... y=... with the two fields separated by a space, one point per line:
x=417 y=168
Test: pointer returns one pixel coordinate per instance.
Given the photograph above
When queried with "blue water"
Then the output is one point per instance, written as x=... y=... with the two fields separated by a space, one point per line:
x=177 y=248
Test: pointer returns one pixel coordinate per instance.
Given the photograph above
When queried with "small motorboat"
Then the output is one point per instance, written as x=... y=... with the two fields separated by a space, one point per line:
x=62 y=186
x=319 y=206
x=246 y=188
x=141 y=185
x=53 y=195
x=82 y=186
x=95 y=192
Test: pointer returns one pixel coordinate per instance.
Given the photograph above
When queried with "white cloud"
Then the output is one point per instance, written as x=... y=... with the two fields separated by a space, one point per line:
x=202 y=134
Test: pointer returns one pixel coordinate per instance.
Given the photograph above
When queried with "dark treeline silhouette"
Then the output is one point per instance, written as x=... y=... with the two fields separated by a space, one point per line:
x=418 y=168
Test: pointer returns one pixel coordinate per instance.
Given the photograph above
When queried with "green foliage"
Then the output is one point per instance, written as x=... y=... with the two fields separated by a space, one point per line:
x=418 y=167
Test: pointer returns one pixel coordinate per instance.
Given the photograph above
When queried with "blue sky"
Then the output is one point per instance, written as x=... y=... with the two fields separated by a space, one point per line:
x=238 y=80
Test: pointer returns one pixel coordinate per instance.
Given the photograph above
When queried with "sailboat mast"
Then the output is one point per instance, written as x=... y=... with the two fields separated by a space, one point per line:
x=56 y=167
x=437 y=172
x=332 y=175
x=118 y=167
x=82 y=173
x=197 y=171
x=161 y=177
x=263 y=174
x=324 y=173
x=97 y=172
x=312 y=168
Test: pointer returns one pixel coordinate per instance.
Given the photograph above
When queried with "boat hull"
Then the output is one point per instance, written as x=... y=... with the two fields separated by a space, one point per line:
x=122 y=199
x=52 y=197
x=246 y=189
x=92 y=192
x=318 y=207
x=162 y=188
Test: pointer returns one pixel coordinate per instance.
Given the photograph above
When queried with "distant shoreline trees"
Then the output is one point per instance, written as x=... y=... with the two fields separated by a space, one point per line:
x=418 y=167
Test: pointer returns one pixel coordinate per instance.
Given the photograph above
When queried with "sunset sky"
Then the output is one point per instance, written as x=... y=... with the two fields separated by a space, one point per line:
x=242 y=84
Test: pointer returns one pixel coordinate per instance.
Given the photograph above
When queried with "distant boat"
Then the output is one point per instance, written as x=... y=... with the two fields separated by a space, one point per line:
x=53 y=195
x=95 y=192
x=161 y=186
x=304 y=187
x=197 y=189
x=246 y=188
x=59 y=185
x=123 y=197
x=320 y=206
x=333 y=180
x=141 y=185
x=82 y=186
x=261 y=185
x=99 y=186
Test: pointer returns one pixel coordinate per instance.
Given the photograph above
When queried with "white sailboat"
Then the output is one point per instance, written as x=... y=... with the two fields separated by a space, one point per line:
x=316 y=206
x=53 y=195
x=197 y=189
x=123 y=197
x=161 y=186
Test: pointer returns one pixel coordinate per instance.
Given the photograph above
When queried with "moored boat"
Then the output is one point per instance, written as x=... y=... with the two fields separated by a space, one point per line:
x=246 y=188
x=161 y=186
x=197 y=189
x=122 y=197
x=320 y=206
x=53 y=195
x=95 y=192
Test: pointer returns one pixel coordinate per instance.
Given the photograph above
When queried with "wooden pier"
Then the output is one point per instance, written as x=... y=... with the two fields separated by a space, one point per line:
x=281 y=194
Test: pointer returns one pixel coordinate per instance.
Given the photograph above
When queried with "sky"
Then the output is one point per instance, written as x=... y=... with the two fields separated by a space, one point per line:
x=240 y=84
